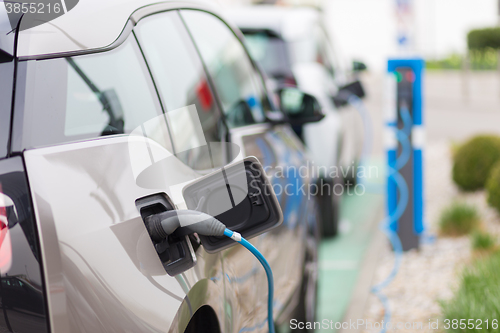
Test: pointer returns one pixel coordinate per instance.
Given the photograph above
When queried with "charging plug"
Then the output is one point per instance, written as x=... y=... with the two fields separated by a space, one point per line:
x=161 y=225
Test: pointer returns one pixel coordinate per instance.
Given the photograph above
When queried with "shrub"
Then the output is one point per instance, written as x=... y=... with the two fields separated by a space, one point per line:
x=478 y=60
x=483 y=60
x=481 y=240
x=477 y=297
x=473 y=161
x=493 y=187
x=458 y=219
x=483 y=39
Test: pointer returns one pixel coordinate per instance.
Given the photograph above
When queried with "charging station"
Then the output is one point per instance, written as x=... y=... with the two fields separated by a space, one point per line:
x=404 y=144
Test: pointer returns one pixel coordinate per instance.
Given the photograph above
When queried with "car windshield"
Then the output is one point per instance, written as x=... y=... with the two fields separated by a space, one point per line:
x=271 y=53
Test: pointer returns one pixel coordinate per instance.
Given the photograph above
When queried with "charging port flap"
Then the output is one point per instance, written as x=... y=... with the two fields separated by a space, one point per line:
x=240 y=196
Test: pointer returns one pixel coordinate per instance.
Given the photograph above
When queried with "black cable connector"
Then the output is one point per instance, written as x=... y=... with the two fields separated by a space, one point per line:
x=161 y=225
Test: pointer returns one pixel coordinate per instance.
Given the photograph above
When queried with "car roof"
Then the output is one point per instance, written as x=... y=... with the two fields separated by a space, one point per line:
x=290 y=23
x=90 y=26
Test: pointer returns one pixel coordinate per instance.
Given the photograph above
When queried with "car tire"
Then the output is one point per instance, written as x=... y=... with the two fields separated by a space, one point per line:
x=329 y=201
x=351 y=178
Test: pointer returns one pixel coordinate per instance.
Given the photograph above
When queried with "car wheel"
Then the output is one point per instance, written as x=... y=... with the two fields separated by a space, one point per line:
x=351 y=178
x=329 y=201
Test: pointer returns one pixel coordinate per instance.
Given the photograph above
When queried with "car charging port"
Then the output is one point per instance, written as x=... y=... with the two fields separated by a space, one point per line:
x=176 y=251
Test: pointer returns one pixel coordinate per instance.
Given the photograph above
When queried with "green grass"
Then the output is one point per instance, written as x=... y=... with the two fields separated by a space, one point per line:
x=478 y=297
x=482 y=241
x=478 y=60
x=454 y=61
x=458 y=219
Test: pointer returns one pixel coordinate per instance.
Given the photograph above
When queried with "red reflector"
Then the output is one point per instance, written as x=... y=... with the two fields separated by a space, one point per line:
x=204 y=95
x=5 y=244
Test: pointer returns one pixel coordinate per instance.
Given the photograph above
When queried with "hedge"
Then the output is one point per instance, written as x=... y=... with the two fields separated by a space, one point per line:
x=483 y=39
x=473 y=161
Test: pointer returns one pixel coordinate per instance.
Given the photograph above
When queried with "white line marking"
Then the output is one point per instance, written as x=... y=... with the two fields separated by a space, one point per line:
x=338 y=265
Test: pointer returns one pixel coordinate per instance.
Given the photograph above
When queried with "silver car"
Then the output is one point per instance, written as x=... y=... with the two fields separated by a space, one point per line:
x=107 y=112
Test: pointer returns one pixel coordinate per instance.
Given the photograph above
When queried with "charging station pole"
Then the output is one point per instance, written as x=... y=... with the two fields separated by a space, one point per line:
x=405 y=98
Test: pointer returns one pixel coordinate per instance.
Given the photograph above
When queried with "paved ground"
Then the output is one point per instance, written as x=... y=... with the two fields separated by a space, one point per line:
x=342 y=257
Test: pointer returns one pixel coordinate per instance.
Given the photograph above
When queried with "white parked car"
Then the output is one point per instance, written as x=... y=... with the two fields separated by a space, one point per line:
x=293 y=47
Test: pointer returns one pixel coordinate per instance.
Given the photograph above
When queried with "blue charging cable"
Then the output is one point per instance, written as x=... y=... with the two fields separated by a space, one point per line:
x=160 y=225
x=270 y=281
x=389 y=220
x=393 y=174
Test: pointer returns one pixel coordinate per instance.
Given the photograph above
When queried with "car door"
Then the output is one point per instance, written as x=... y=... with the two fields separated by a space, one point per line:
x=241 y=93
x=96 y=142
x=337 y=75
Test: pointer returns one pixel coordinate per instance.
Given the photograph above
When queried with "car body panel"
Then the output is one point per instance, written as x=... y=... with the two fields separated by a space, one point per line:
x=99 y=258
x=323 y=138
x=282 y=157
x=98 y=255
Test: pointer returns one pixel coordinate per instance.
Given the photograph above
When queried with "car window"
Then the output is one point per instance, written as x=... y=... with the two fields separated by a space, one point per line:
x=107 y=93
x=191 y=109
x=323 y=54
x=326 y=53
x=82 y=97
x=270 y=51
x=238 y=84
x=316 y=49
x=338 y=68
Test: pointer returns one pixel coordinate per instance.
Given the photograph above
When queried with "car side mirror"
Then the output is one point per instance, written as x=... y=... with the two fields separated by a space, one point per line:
x=240 y=114
x=358 y=66
x=276 y=117
x=299 y=107
x=238 y=195
x=354 y=88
